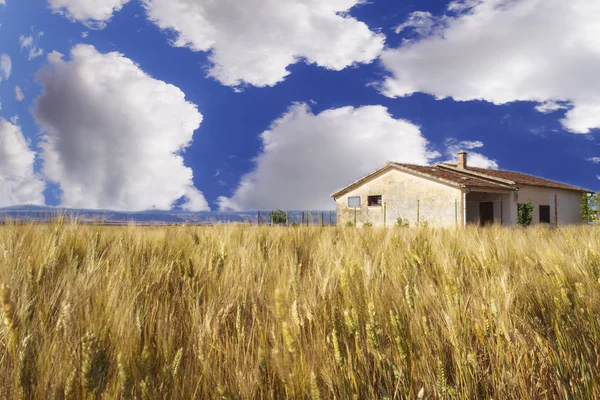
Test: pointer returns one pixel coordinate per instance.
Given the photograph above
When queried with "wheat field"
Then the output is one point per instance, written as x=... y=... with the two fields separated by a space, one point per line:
x=246 y=312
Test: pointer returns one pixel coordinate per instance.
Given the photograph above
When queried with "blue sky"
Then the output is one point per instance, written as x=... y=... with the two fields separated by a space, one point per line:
x=148 y=106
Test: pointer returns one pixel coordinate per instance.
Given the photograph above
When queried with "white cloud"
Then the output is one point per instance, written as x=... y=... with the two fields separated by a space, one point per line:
x=546 y=51
x=19 y=95
x=30 y=44
x=18 y=182
x=453 y=146
x=462 y=5
x=92 y=13
x=595 y=160
x=421 y=22
x=3 y=2
x=5 y=66
x=254 y=41
x=306 y=157
x=113 y=134
x=548 y=107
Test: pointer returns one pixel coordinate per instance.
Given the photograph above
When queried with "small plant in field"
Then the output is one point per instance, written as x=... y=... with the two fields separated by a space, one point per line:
x=350 y=224
x=402 y=223
x=368 y=224
x=525 y=213
x=278 y=217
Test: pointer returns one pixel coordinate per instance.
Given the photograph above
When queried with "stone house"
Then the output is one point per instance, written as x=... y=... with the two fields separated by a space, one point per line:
x=447 y=195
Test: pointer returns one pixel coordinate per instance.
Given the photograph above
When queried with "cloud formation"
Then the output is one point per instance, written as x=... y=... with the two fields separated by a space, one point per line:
x=453 y=146
x=254 y=41
x=595 y=160
x=19 y=95
x=18 y=182
x=306 y=157
x=92 y=13
x=30 y=44
x=113 y=134
x=501 y=51
x=5 y=66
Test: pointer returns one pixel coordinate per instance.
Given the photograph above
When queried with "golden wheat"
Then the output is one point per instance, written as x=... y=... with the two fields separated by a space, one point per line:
x=243 y=312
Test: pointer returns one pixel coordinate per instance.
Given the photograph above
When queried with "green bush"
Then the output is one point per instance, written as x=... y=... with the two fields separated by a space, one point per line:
x=525 y=214
x=278 y=217
x=403 y=223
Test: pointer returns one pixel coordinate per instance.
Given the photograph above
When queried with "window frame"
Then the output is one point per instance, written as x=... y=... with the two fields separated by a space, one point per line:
x=376 y=203
x=359 y=202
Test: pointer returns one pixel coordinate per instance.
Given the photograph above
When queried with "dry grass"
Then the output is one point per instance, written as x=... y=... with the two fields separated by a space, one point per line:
x=270 y=313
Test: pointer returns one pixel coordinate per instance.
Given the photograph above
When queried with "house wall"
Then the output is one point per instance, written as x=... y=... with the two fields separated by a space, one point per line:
x=406 y=195
x=569 y=204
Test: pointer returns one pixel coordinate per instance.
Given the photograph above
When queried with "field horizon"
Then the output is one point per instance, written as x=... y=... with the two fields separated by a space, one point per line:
x=257 y=312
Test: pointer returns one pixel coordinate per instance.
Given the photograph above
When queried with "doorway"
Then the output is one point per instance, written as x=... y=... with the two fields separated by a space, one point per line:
x=486 y=213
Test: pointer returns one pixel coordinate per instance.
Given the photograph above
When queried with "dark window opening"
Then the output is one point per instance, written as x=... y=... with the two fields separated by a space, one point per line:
x=544 y=214
x=486 y=213
x=375 y=201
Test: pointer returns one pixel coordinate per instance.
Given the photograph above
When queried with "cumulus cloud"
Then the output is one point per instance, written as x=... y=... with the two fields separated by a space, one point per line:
x=305 y=157
x=113 y=134
x=92 y=13
x=5 y=66
x=254 y=41
x=18 y=182
x=19 y=95
x=453 y=146
x=545 y=51
x=31 y=46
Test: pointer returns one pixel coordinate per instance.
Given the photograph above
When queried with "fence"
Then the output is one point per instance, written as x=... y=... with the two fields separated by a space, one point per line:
x=294 y=218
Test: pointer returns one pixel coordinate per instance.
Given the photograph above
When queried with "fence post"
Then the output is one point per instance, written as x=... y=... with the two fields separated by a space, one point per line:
x=302 y=217
x=384 y=214
x=456 y=212
x=307 y=218
x=556 y=210
x=258 y=219
x=322 y=219
x=287 y=218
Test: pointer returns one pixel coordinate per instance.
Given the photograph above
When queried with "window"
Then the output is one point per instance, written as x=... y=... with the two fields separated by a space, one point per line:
x=353 y=202
x=375 y=201
x=544 y=214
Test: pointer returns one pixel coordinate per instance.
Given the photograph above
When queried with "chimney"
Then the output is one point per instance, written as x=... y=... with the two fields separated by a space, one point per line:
x=462 y=159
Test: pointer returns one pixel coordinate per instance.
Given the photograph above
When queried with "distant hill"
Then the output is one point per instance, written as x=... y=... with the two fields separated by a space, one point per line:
x=40 y=213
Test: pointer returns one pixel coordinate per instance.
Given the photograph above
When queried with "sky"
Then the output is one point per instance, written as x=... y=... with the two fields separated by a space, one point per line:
x=262 y=104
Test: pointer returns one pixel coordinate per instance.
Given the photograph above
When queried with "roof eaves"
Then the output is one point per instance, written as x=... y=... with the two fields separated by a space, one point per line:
x=566 y=187
x=355 y=183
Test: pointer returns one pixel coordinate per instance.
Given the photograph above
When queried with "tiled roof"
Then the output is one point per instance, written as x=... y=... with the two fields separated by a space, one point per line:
x=450 y=176
x=521 y=179
x=478 y=178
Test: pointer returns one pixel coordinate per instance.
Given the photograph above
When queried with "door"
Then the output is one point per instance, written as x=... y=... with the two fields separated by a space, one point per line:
x=486 y=213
